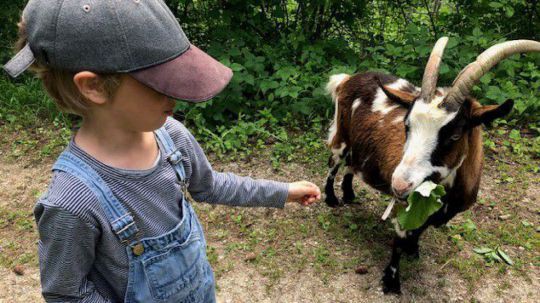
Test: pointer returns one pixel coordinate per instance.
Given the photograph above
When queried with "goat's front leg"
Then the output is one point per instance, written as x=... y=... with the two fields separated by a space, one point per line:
x=404 y=242
x=390 y=279
x=346 y=184
x=334 y=162
x=331 y=199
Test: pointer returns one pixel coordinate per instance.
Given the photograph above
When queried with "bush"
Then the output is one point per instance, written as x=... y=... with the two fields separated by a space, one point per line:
x=282 y=53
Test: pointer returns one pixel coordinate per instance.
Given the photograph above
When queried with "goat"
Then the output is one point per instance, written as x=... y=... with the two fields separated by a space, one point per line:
x=394 y=136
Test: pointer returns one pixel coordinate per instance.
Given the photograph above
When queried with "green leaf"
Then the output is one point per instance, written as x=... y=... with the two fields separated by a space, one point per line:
x=496 y=4
x=234 y=51
x=268 y=84
x=420 y=207
x=526 y=223
x=504 y=256
x=493 y=256
x=469 y=226
x=514 y=134
x=509 y=11
x=485 y=79
x=494 y=93
x=236 y=67
x=482 y=250
x=452 y=42
x=477 y=32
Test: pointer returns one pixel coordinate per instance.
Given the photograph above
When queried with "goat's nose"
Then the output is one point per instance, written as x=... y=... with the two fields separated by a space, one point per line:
x=400 y=187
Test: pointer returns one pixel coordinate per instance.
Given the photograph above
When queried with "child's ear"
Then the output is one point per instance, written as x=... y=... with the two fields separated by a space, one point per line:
x=90 y=86
x=486 y=114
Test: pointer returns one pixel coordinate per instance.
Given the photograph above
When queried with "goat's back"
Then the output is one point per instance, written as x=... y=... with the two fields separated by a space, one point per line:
x=371 y=125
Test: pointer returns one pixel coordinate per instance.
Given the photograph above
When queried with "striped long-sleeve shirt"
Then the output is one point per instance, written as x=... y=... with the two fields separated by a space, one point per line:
x=81 y=259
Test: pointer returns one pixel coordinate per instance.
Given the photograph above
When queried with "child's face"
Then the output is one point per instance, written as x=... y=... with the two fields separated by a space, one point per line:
x=139 y=108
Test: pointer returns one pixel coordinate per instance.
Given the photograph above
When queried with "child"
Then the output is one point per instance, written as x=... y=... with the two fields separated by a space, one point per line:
x=115 y=224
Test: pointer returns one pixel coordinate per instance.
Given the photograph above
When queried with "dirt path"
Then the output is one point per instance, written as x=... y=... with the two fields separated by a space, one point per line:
x=309 y=254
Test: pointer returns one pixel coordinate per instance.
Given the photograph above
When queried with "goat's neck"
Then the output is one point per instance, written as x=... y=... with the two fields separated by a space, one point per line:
x=468 y=175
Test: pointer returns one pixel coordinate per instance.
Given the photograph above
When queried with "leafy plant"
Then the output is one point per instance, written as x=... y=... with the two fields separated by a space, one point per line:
x=493 y=255
x=424 y=201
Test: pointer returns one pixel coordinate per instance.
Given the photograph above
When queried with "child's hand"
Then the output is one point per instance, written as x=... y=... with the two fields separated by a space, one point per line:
x=303 y=192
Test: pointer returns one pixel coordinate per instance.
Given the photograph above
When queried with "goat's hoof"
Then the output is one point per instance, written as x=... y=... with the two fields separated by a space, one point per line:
x=412 y=253
x=348 y=199
x=390 y=280
x=411 y=249
x=332 y=202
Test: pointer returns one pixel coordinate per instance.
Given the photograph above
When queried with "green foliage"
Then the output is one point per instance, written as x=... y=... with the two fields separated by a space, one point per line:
x=283 y=51
x=423 y=202
x=9 y=16
x=493 y=255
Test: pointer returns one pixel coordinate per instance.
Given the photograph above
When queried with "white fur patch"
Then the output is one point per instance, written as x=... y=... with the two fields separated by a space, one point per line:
x=365 y=161
x=355 y=105
x=449 y=180
x=337 y=153
x=381 y=103
x=333 y=127
x=394 y=270
x=401 y=233
x=398 y=120
x=331 y=88
x=335 y=81
x=425 y=120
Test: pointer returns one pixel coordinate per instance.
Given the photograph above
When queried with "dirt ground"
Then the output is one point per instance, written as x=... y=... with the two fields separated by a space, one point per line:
x=306 y=254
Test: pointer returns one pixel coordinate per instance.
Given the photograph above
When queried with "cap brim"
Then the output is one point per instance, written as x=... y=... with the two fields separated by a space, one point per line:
x=21 y=62
x=193 y=76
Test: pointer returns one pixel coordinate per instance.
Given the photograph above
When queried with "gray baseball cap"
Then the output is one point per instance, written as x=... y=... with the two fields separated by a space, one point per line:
x=139 y=37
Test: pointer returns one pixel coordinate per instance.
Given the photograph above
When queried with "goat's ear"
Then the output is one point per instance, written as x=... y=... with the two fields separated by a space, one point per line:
x=405 y=99
x=486 y=114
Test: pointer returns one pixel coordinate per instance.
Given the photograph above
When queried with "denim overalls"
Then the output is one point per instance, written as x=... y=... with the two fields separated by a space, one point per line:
x=172 y=267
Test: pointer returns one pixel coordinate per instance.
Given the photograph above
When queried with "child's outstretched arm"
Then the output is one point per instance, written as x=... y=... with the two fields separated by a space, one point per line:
x=210 y=186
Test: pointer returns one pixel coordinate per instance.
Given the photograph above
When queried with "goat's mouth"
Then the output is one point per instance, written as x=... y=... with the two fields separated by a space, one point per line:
x=402 y=198
x=403 y=194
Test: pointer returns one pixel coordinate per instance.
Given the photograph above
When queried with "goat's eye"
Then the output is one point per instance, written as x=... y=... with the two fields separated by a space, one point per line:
x=455 y=137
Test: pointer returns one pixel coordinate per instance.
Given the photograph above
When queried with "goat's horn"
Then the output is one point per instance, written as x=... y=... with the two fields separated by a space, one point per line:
x=468 y=77
x=431 y=73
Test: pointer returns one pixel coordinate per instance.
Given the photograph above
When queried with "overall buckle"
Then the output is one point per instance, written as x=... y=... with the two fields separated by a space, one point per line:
x=138 y=248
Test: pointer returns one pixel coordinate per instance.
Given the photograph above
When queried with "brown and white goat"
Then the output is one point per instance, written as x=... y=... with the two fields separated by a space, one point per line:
x=395 y=136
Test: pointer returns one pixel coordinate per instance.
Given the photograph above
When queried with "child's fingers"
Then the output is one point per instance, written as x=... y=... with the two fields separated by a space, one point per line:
x=307 y=200
x=312 y=188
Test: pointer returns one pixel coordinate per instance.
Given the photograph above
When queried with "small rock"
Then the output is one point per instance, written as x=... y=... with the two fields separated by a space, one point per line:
x=251 y=257
x=504 y=217
x=521 y=248
x=361 y=270
x=18 y=270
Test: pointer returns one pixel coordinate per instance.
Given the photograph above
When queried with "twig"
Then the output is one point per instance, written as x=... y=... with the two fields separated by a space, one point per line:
x=501 y=160
x=444 y=265
x=435 y=32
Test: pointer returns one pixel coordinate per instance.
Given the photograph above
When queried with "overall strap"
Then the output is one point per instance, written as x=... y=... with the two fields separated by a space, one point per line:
x=121 y=220
x=173 y=154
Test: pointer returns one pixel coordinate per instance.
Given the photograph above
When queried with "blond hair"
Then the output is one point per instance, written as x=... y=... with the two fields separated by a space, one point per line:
x=59 y=83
